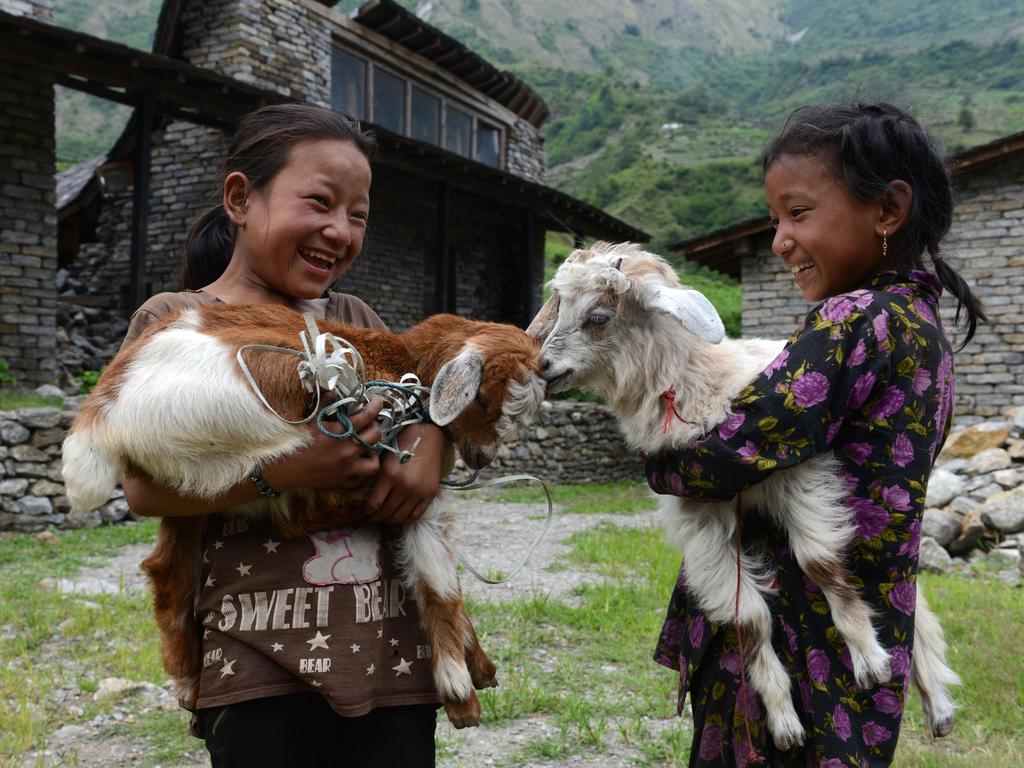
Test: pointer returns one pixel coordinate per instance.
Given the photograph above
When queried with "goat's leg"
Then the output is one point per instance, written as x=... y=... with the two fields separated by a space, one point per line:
x=173 y=569
x=928 y=670
x=709 y=562
x=429 y=574
x=481 y=669
x=818 y=535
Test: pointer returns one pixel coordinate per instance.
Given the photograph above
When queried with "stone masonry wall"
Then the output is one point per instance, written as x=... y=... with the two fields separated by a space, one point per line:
x=570 y=443
x=28 y=218
x=985 y=245
x=525 y=154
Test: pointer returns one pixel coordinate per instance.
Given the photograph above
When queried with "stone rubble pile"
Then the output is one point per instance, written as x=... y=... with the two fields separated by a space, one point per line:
x=974 y=516
x=87 y=337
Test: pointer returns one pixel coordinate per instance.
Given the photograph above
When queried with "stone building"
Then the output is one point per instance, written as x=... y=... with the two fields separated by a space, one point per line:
x=985 y=245
x=460 y=208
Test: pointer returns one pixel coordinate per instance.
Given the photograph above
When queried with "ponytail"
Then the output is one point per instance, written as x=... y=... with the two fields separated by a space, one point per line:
x=965 y=298
x=208 y=247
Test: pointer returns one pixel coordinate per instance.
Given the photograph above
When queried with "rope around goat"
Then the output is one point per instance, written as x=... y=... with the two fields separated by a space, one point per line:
x=342 y=372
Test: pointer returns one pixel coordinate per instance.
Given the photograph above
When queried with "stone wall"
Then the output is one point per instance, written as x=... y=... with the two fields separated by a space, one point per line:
x=37 y=9
x=28 y=218
x=985 y=244
x=525 y=154
x=571 y=443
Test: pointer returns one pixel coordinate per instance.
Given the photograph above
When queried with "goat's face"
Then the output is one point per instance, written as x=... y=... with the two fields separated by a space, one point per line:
x=604 y=300
x=486 y=394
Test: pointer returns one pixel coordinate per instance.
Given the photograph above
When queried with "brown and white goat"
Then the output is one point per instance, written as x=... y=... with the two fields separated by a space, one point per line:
x=620 y=325
x=175 y=406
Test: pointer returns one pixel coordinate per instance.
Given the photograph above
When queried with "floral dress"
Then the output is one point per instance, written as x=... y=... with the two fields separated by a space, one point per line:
x=868 y=375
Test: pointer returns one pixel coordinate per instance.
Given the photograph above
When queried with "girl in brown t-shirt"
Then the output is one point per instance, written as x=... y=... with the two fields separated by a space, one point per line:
x=302 y=664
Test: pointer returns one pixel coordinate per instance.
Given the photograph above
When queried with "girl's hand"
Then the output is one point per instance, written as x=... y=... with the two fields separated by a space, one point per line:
x=403 y=492
x=329 y=463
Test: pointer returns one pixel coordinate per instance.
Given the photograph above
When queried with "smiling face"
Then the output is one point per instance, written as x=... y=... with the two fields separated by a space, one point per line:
x=305 y=228
x=828 y=239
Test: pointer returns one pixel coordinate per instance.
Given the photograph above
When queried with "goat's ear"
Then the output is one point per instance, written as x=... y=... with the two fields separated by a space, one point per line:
x=692 y=309
x=544 y=322
x=456 y=385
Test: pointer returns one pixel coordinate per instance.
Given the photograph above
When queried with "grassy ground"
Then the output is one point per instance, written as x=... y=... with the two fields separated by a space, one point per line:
x=13 y=399
x=585 y=669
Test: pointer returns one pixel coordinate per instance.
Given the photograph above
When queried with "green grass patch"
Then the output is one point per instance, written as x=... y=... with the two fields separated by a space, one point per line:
x=622 y=497
x=14 y=399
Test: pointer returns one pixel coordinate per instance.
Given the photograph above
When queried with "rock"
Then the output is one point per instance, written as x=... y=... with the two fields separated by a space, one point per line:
x=1005 y=511
x=1016 y=419
x=942 y=487
x=1016 y=449
x=47 y=537
x=115 y=688
x=1009 y=478
x=40 y=418
x=974 y=439
x=115 y=511
x=961 y=505
x=989 y=460
x=986 y=491
x=1010 y=577
x=956 y=465
x=940 y=525
x=47 y=488
x=1010 y=556
x=13 y=433
x=15 y=486
x=35 y=505
x=49 y=390
x=28 y=453
x=933 y=557
x=971 y=530
x=47 y=437
x=90 y=519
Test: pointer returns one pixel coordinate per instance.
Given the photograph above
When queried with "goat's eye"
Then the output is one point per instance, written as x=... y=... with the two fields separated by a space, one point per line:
x=596 y=320
x=481 y=400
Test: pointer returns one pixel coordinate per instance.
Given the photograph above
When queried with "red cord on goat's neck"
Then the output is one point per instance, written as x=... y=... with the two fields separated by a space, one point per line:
x=670 y=410
x=753 y=758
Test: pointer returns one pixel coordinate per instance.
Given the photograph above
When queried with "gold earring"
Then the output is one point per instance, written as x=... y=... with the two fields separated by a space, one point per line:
x=885 y=245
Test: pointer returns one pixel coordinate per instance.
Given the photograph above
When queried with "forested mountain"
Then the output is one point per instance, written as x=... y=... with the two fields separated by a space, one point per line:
x=659 y=107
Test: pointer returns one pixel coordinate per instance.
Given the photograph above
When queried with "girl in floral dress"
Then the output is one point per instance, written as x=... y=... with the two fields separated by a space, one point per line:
x=858 y=194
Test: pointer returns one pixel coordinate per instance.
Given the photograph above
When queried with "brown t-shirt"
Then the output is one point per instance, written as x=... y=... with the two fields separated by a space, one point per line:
x=325 y=612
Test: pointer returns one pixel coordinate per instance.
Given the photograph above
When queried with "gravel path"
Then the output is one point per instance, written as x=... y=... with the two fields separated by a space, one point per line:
x=493 y=536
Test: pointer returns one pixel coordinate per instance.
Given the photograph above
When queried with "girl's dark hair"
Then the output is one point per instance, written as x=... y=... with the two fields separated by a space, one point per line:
x=869 y=145
x=259 y=149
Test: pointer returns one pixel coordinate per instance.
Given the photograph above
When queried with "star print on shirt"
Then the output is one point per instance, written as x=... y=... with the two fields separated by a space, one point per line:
x=277 y=647
x=271 y=546
x=228 y=668
x=403 y=668
x=218 y=545
x=206 y=560
x=243 y=569
x=210 y=581
x=355 y=647
x=319 y=641
x=370 y=670
x=380 y=634
x=316 y=684
x=393 y=642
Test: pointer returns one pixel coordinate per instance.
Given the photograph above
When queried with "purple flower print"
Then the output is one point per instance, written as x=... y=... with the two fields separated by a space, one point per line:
x=880 y=325
x=858 y=356
x=805 y=697
x=832 y=762
x=833 y=429
x=845 y=659
x=922 y=380
x=790 y=635
x=729 y=426
x=748 y=452
x=746 y=703
x=896 y=497
x=871 y=519
x=672 y=633
x=696 y=631
x=810 y=389
x=903 y=597
x=887 y=702
x=675 y=483
x=777 y=364
x=710 y=742
x=837 y=309
x=899 y=661
x=858 y=453
x=841 y=721
x=809 y=586
x=861 y=389
x=874 y=733
x=730 y=662
x=924 y=312
x=817 y=665
x=912 y=546
x=902 y=450
x=890 y=402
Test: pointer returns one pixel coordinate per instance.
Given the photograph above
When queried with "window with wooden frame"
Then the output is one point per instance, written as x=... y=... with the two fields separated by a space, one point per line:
x=367 y=91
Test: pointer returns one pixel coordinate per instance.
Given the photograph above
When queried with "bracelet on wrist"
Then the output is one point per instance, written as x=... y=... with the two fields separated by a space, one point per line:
x=256 y=475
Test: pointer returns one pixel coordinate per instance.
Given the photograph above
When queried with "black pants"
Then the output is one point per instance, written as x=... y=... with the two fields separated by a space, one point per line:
x=300 y=729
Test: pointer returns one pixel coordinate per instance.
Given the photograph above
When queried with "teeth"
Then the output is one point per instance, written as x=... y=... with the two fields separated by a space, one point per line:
x=318 y=255
x=798 y=268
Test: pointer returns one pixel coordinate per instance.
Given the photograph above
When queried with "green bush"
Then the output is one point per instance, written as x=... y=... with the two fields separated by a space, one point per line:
x=6 y=379
x=88 y=380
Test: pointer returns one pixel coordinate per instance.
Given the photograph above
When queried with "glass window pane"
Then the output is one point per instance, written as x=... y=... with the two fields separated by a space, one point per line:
x=348 y=84
x=458 y=132
x=488 y=144
x=388 y=101
x=426 y=116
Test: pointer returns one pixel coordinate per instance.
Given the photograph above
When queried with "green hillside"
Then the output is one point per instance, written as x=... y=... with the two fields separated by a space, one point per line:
x=660 y=107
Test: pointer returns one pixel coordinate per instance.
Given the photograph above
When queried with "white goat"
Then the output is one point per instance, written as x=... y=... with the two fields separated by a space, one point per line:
x=620 y=324
x=174 y=404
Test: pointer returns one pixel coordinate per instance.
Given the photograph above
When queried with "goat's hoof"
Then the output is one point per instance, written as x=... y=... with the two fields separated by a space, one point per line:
x=786 y=731
x=872 y=668
x=463 y=714
x=482 y=672
x=940 y=724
